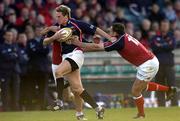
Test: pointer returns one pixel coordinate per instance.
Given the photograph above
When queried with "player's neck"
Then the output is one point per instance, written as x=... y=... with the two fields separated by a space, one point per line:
x=65 y=22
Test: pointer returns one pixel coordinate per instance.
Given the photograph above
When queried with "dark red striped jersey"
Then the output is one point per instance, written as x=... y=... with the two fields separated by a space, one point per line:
x=130 y=49
x=56 y=53
x=56 y=49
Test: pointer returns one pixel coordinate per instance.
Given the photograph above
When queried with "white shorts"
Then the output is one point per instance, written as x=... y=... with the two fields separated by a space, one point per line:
x=148 y=70
x=77 y=56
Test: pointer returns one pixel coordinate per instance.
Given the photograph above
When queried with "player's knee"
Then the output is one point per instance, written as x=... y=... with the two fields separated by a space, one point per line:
x=77 y=91
x=58 y=74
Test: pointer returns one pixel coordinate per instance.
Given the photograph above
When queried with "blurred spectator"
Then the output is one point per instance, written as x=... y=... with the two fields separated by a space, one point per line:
x=2 y=10
x=29 y=32
x=129 y=28
x=51 y=4
x=11 y=19
x=15 y=34
x=111 y=5
x=177 y=37
x=9 y=73
x=139 y=37
x=1 y=30
x=177 y=9
x=169 y=12
x=162 y=46
x=23 y=59
x=120 y=16
x=78 y=14
x=145 y=27
x=43 y=12
x=38 y=69
x=156 y=15
x=155 y=26
x=109 y=18
x=23 y=18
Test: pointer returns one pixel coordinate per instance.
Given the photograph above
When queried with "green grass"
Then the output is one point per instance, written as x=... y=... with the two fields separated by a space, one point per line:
x=152 y=114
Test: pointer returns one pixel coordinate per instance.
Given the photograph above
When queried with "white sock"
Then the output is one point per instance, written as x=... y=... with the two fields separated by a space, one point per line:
x=79 y=113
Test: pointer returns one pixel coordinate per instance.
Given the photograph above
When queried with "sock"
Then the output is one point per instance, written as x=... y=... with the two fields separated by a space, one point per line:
x=139 y=101
x=79 y=113
x=152 y=86
x=60 y=87
x=87 y=98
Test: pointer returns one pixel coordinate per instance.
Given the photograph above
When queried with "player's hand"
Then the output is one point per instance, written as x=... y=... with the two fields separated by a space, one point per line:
x=113 y=39
x=74 y=40
x=58 y=36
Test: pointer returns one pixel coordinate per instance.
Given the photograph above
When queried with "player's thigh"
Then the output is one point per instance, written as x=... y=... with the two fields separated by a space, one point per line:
x=75 y=81
x=63 y=69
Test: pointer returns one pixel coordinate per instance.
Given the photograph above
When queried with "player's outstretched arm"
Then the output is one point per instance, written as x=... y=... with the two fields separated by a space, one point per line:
x=104 y=34
x=87 y=46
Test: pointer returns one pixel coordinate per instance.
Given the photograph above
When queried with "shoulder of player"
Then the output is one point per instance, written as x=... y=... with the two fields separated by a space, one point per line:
x=73 y=20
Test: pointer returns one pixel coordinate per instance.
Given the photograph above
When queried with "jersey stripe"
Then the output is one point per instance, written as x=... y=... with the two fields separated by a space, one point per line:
x=78 y=29
x=115 y=41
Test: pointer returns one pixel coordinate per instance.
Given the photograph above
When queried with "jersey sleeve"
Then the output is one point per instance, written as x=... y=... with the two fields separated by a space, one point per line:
x=86 y=28
x=108 y=46
x=116 y=45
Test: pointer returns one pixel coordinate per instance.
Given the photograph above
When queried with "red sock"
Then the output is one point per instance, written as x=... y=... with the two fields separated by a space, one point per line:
x=139 y=101
x=152 y=86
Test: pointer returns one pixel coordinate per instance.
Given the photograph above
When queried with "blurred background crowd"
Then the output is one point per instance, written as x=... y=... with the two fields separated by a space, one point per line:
x=25 y=64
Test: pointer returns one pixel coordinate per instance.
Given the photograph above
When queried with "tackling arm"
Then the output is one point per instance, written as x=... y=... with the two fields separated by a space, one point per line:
x=104 y=34
x=88 y=46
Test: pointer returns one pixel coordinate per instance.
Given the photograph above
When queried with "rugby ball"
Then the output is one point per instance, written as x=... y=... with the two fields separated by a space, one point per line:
x=67 y=33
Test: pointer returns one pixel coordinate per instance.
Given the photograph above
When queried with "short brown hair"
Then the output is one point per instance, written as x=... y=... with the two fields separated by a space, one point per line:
x=119 y=28
x=65 y=10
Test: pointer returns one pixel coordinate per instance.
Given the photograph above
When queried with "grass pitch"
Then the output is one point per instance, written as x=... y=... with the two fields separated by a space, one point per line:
x=122 y=114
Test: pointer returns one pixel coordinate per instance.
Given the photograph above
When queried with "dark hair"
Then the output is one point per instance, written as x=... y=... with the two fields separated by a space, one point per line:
x=65 y=10
x=118 y=28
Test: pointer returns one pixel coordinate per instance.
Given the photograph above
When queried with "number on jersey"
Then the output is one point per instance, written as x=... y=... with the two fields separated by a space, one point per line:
x=132 y=39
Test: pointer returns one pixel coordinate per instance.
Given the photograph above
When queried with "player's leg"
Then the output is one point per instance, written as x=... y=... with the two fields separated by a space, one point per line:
x=138 y=87
x=77 y=100
x=145 y=73
x=77 y=88
x=67 y=66
x=152 y=86
x=59 y=82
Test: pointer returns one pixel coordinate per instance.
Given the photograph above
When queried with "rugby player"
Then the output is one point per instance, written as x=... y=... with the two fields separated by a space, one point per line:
x=73 y=56
x=63 y=90
x=134 y=52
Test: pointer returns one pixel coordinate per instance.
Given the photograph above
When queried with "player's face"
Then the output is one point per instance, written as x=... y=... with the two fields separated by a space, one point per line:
x=60 y=18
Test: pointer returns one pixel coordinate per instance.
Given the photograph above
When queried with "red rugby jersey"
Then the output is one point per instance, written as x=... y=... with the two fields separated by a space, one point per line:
x=130 y=49
x=56 y=53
